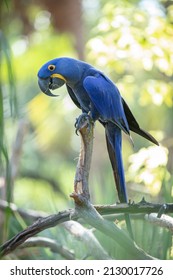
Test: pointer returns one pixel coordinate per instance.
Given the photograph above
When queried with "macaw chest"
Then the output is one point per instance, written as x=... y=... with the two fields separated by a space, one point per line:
x=83 y=98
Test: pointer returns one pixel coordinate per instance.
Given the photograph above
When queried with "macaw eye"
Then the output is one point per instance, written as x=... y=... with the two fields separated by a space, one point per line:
x=51 y=67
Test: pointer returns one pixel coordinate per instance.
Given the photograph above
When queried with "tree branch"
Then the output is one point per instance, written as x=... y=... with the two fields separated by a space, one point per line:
x=74 y=228
x=93 y=247
x=53 y=245
x=164 y=221
x=134 y=208
x=81 y=186
x=110 y=229
x=81 y=196
x=38 y=226
x=83 y=208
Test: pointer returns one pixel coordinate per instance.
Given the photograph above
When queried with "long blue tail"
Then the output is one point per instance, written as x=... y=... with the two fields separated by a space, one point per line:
x=114 y=145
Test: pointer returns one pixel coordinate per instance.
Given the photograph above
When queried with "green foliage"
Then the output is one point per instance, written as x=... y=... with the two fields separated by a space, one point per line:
x=135 y=49
x=148 y=166
x=7 y=94
x=126 y=36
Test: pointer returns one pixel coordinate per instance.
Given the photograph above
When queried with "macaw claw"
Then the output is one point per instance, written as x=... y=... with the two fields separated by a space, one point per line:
x=83 y=120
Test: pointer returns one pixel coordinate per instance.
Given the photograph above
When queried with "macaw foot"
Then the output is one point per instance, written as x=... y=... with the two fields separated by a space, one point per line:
x=83 y=120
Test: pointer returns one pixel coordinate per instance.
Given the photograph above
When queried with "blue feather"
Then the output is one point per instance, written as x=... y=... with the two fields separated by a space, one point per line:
x=96 y=94
x=107 y=100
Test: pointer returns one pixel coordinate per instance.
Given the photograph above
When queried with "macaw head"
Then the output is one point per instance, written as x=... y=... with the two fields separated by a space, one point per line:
x=55 y=73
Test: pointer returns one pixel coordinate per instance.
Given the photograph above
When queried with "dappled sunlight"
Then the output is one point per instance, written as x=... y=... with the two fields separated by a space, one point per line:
x=157 y=92
x=42 y=20
x=152 y=157
x=20 y=46
x=148 y=167
x=121 y=45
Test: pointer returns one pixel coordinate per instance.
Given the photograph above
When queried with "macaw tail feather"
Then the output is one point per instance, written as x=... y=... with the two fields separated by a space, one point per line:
x=113 y=140
x=134 y=126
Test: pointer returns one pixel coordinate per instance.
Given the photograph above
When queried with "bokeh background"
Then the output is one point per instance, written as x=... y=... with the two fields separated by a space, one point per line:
x=132 y=42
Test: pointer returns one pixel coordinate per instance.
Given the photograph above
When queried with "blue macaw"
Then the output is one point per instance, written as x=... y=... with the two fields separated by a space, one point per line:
x=98 y=97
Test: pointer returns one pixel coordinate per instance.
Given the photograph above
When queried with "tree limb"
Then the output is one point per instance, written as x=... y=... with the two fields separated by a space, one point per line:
x=121 y=208
x=93 y=247
x=81 y=186
x=110 y=229
x=53 y=245
x=83 y=208
x=164 y=221
x=134 y=208
x=38 y=226
x=81 y=197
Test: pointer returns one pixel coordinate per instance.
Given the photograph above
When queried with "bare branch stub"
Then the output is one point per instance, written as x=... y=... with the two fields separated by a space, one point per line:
x=81 y=193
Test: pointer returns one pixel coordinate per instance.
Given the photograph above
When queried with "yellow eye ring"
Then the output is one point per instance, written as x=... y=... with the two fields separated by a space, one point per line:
x=51 y=67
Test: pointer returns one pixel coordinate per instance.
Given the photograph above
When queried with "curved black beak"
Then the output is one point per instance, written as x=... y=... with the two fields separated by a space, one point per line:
x=50 y=83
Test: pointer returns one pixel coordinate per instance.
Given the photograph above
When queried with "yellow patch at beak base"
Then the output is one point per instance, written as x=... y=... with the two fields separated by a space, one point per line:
x=58 y=76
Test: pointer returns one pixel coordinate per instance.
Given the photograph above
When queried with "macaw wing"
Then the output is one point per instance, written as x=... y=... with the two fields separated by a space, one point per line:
x=107 y=100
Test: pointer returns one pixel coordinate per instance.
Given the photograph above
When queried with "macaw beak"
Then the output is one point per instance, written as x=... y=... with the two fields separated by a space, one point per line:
x=48 y=84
